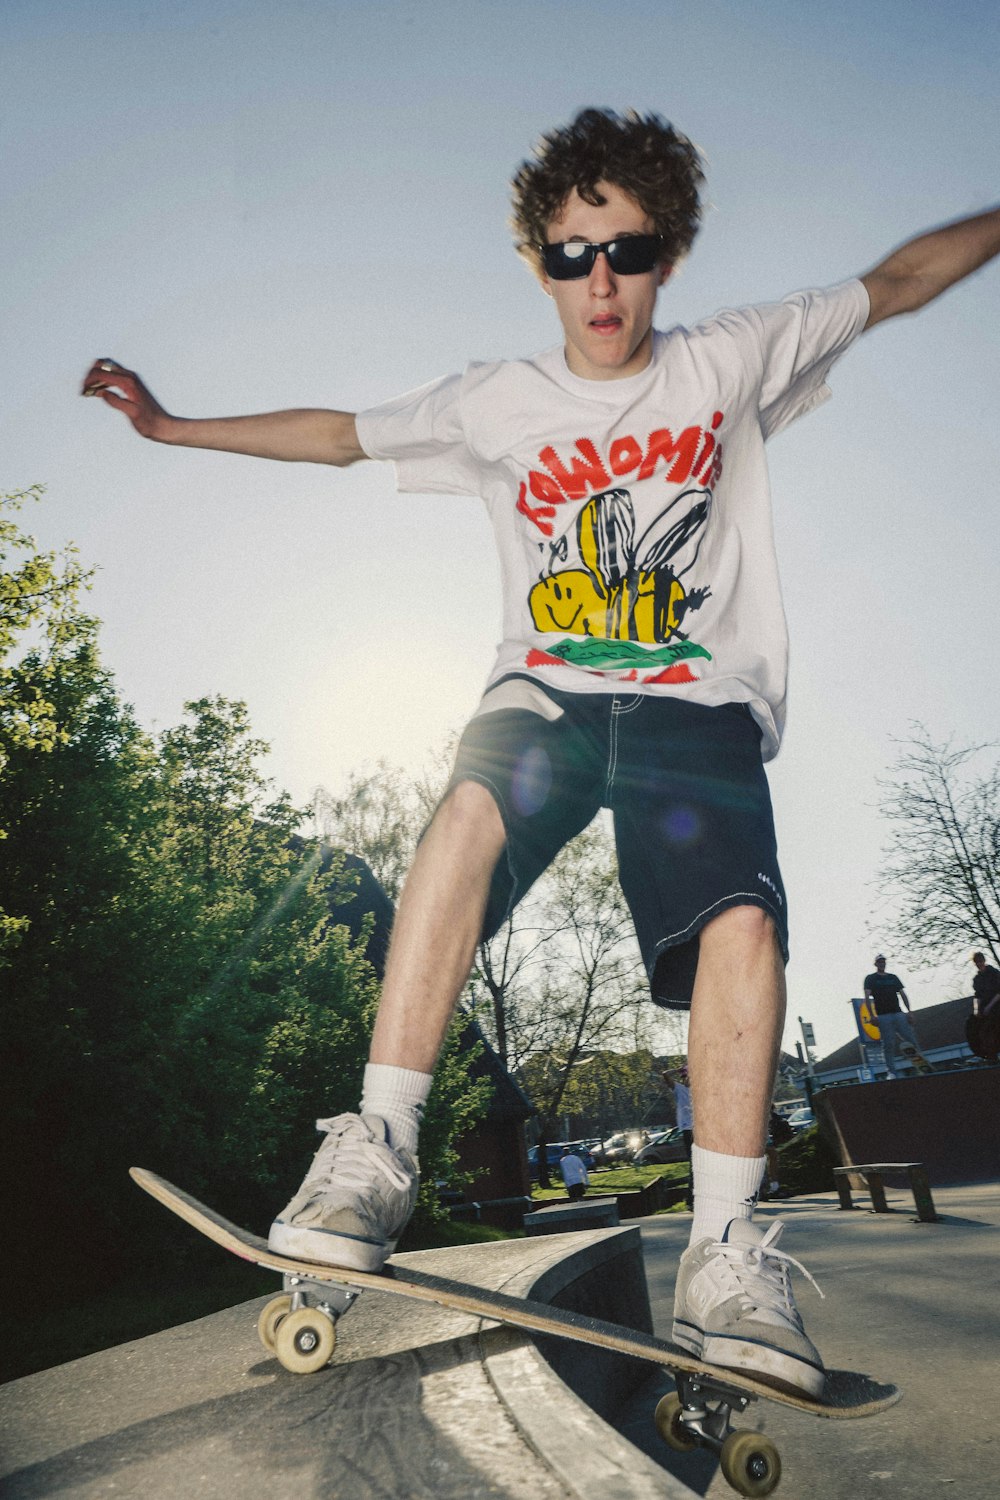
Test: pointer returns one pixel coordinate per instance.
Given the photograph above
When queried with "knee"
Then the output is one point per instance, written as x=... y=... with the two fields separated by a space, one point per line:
x=470 y=813
x=747 y=928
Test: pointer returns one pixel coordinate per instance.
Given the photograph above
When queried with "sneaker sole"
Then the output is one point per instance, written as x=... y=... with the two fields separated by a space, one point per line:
x=328 y=1248
x=764 y=1362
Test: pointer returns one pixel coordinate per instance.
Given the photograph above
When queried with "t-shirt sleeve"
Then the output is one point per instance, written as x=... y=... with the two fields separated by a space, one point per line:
x=421 y=434
x=800 y=339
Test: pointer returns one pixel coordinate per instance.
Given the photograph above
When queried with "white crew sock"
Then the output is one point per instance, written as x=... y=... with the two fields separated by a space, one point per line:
x=725 y=1187
x=398 y=1096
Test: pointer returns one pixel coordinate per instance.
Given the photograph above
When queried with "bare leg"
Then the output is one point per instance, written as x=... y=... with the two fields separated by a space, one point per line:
x=437 y=927
x=737 y=1016
x=731 y=1307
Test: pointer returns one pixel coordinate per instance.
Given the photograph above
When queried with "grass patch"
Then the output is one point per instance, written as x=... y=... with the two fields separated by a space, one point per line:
x=440 y=1234
x=604 y=1184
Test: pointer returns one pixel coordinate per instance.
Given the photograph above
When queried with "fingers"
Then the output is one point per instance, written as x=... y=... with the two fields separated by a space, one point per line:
x=102 y=374
x=124 y=391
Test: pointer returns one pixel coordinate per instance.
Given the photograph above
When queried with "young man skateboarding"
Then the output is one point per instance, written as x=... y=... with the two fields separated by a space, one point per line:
x=642 y=669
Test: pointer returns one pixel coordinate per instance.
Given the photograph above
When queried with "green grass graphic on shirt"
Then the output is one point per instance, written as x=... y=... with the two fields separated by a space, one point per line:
x=602 y=655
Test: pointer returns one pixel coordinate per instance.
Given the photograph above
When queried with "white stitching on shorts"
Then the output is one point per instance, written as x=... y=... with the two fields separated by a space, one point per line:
x=616 y=713
x=609 y=778
x=734 y=898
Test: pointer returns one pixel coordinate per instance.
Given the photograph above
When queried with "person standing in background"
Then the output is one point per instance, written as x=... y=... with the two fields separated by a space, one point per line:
x=885 y=992
x=983 y=1027
x=677 y=1080
x=574 y=1174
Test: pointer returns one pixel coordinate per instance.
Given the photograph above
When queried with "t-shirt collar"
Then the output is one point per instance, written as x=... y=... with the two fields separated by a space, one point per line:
x=613 y=392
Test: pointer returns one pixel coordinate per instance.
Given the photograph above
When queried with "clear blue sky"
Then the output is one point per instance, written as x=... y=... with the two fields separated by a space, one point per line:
x=260 y=204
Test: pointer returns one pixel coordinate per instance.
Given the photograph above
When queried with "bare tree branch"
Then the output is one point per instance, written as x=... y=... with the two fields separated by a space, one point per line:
x=941 y=864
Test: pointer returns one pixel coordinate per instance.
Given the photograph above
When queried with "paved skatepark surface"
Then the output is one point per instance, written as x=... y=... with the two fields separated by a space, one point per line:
x=423 y=1404
x=914 y=1304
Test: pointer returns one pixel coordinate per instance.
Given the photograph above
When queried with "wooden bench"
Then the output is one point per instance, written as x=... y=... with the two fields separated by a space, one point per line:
x=871 y=1177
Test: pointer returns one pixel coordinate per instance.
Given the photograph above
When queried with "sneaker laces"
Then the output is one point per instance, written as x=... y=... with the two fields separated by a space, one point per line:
x=348 y=1151
x=770 y=1269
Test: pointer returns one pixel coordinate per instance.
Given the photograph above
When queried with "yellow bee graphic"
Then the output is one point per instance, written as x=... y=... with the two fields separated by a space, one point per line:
x=624 y=590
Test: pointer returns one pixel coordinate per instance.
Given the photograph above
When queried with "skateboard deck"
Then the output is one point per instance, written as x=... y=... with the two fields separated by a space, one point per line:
x=298 y=1328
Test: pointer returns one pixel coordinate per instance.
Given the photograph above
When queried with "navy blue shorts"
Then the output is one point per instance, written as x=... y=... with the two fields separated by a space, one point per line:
x=689 y=797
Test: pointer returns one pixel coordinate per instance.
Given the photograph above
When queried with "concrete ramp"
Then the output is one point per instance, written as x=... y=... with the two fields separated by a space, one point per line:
x=420 y=1403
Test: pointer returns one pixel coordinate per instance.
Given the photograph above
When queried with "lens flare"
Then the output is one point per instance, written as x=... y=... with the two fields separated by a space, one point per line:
x=682 y=825
x=532 y=781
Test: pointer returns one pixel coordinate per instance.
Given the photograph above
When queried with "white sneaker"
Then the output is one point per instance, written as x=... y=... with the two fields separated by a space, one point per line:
x=354 y=1201
x=733 y=1306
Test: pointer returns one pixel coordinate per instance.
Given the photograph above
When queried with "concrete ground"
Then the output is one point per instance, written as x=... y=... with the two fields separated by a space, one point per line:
x=914 y=1304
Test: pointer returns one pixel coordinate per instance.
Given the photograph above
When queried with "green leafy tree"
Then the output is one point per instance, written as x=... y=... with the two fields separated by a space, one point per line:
x=176 y=991
x=81 y=823
x=39 y=609
x=610 y=1089
x=380 y=815
x=181 y=996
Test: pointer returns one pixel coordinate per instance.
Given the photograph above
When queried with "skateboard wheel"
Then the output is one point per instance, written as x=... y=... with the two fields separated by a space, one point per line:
x=304 y=1340
x=270 y=1316
x=669 y=1425
x=751 y=1463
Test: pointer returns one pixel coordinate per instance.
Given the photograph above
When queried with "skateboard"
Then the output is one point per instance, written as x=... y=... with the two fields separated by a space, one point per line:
x=298 y=1327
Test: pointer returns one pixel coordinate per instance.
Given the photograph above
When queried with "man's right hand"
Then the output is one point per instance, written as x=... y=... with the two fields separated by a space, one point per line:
x=306 y=435
x=123 y=390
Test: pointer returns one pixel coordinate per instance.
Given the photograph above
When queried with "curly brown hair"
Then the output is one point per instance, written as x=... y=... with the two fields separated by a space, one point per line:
x=642 y=154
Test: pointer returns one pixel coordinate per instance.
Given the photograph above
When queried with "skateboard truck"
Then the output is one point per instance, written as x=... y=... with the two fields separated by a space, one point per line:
x=697 y=1415
x=299 y=1326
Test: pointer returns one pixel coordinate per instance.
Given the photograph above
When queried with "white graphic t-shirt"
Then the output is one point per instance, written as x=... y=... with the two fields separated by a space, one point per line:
x=633 y=517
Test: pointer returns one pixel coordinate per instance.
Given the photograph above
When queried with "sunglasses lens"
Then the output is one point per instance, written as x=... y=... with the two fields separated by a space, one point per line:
x=568 y=261
x=573 y=259
x=634 y=255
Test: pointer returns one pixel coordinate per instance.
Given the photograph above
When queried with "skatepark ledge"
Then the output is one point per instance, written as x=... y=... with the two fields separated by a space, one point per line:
x=419 y=1402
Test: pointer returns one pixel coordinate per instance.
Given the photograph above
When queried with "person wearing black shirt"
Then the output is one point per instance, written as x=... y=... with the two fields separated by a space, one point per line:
x=985 y=986
x=885 y=991
x=983 y=1026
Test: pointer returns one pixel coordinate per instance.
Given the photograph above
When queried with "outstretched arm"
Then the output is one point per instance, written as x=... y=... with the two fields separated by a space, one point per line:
x=927 y=266
x=307 y=435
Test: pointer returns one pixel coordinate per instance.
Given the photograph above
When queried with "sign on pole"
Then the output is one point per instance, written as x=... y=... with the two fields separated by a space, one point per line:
x=866 y=1021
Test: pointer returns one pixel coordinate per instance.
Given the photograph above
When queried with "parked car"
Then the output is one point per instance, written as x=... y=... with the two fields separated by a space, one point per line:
x=617 y=1148
x=801 y=1119
x=667 y=1145
x=553 y=1152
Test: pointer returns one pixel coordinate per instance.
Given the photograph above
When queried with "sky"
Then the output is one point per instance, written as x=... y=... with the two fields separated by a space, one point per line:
x=261 y=205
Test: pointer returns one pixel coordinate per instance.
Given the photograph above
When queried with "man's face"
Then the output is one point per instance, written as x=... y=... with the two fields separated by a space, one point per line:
x=607 y=319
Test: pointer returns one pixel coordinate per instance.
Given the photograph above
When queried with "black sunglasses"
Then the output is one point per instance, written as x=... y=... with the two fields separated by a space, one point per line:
x=570 y=260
